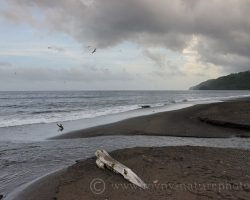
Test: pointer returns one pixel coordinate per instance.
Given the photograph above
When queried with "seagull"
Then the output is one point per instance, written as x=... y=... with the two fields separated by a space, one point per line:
x=89 y=46
x=94 y=51
x=60 y=126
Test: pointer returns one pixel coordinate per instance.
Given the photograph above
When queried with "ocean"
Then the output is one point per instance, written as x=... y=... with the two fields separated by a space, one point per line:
x=24 y=108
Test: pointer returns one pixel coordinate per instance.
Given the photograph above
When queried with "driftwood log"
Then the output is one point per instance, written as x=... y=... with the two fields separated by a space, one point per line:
x=145 y=106
x=104 y=159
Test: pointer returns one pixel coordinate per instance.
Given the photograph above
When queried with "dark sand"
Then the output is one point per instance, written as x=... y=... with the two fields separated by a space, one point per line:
x=185 y=122
x=178 y=170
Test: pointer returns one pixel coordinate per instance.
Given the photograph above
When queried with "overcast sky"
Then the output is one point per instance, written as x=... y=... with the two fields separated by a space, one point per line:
x=141 y=44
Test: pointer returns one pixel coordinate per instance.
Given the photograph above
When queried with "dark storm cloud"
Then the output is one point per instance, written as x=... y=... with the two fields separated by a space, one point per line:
x=221 y=27
x=86 y=74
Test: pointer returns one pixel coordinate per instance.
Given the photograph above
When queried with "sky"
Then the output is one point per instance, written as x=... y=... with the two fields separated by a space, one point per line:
x=140 y=44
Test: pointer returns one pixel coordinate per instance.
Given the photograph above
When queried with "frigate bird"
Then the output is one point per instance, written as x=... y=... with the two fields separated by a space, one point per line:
x=60 y=126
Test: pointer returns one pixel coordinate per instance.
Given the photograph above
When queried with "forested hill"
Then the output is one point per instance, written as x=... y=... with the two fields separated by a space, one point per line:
x=238 y=81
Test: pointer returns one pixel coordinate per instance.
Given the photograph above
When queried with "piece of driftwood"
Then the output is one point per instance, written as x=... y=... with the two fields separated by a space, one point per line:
x=104 y=159
x=145 y=106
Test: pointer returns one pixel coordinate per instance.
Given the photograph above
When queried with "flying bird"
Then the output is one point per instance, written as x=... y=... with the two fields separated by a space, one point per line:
x=89 y=46
x=94 y=51
x=60 y=127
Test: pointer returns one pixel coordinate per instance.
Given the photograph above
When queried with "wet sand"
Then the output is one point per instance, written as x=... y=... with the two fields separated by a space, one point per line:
x=45 y=188
x=180 y=172
x=187 y=122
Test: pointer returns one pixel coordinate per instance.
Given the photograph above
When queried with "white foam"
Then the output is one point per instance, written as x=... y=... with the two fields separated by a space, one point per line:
x=64 y=116
x=212 y=98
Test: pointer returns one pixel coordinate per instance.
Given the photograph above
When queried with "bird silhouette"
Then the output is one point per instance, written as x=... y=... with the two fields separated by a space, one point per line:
x=94 y=51
x=60 y=127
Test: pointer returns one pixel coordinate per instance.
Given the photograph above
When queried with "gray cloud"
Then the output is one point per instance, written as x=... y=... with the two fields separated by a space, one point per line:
x=58 y=49
x=165 y=68
x=5 y=64
x=210 y=52
x=171 y=70
x=200 y=74
x=222 y=27
x=158 y=58
x=86 y=74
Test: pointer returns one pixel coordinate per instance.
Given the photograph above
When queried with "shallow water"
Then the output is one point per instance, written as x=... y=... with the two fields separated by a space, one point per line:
x=22 y=162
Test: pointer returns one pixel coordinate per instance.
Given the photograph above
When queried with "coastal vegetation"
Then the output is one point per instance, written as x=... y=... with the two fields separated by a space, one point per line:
x=234 y=81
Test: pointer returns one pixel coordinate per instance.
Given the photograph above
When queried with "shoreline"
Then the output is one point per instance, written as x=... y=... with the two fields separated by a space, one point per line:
x=41 y=132
x=44 y=187
x=185 y=122
x=160 y=121
x=174 y=172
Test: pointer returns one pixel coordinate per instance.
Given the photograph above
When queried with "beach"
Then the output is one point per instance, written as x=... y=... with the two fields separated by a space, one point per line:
x=182 y=172
x=169 y=173
x=161 y=86
x=232 y=116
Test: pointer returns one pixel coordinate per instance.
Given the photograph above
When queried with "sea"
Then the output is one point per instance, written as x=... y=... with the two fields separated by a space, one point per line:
x=28 y=120
x=23 y=108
